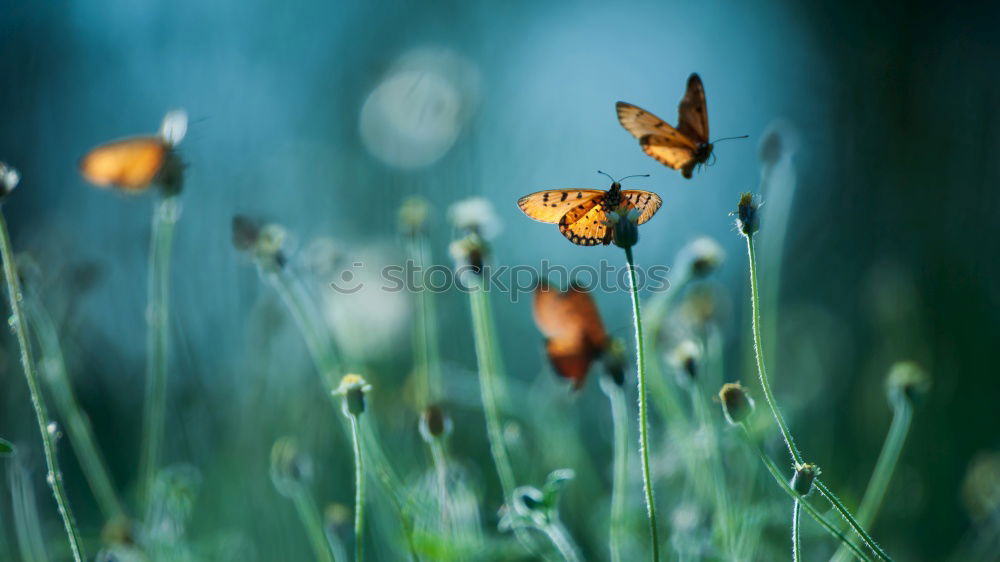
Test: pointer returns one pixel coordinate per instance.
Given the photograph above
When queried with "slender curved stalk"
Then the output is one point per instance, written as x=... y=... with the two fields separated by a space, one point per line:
x=846 y=514
x=321 y=347
x=884 y=467
x=20 y=325
x=359 y=491
x=660 y=389
x=797 y=531
x=429 y=387
x=717 y=479
x=81 y=434
x=647 y=480
x=326 y=358
x=560 y=538
x=808 y=507
x=759 y=354
x=440 y=459
x=310 y=517
x=157 y=317
x=619 y=421
x=483 y=332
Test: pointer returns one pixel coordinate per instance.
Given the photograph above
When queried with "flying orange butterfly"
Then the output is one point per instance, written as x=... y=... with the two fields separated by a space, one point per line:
x=683 y=148
x=134 y=163
x=582 y=214
x=572 y=326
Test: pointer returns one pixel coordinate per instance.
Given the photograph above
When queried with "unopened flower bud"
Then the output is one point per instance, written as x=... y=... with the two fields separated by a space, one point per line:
x=736 y=402
x=747 y=217
x=434 y=424
x=802 y=480
x=9 y=178
x=290 y=467
x=353 y=389
x=264 y=242
x=685 y=358
x=413 y=215
x=625 y=227
x=469 y=253
x=906 y=380
x=702 y=256
x=475 y=215
x=614 y=361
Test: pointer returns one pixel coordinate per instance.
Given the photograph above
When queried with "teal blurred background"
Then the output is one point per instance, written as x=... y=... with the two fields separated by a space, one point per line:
x=889 y=253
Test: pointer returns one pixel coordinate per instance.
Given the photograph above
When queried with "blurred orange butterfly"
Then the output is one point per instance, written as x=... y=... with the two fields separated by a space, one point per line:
x=133 y=164
x=582 y=214
x=572 y=326
x=683 y=148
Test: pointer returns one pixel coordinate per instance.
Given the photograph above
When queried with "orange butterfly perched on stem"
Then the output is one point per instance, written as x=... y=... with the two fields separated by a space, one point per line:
x=135 y=163
x=683 y=148
x=574 y=333
x=582 y=214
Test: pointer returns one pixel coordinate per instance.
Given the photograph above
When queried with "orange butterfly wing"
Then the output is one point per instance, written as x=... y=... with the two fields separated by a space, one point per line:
x=658 y=139
x=550 y=205
x=131 y=164
x=692 y=114
x=646 y=201
x=587 y=225
x=573 y=328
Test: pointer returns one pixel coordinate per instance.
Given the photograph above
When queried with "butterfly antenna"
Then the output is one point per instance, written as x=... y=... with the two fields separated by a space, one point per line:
x=633 y=176
x=730 y=138
x=607 y=174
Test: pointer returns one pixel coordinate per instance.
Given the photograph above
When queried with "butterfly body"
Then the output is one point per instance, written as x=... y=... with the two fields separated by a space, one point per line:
x=582 y=214
x=682 y=148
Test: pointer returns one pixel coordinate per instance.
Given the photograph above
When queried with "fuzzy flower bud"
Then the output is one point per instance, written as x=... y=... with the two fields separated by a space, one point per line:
x=353 y=389
x=747 y=217
x=9 y=178
x=290 y=468
x=614 y=361
x=736 y=402
x=685 y=359
x=802 y=480
x=475 y=215
x=264 y=242
x=434 y=423
x=413 y=215
x=906 y=380
x=701 y=257
x=624 y=224
x=469 y=253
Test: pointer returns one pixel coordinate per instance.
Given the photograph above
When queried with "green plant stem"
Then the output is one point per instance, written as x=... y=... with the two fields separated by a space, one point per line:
x=846 y=514
x=717 y=482
x=560 y=538
x=20 y=325
x=796 y=531
x=81 y=434
x=326 y=358
x=660 y=388
x=485 y=351
x=759 y=354
x=321 y=347
x=359 y=490
x=440 y=458
x=647 y=480
x=164 y=218
x=311 y=520
x=619 y=421
x=808 y=507
x=429 y=387
x=884 y=467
